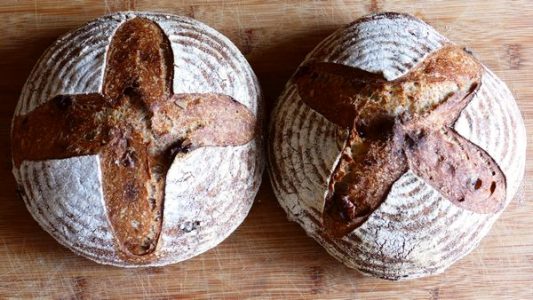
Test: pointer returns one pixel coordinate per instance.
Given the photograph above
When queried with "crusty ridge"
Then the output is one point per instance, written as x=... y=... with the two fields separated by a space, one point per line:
x=128 y=124
x=399 y=125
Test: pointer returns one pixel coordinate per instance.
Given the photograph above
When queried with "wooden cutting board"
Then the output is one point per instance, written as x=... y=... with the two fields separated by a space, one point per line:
x=267 y=257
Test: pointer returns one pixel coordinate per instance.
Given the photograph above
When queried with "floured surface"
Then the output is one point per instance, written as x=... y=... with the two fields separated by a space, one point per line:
x=190 y=203
x=267 y=257
x=70 y=188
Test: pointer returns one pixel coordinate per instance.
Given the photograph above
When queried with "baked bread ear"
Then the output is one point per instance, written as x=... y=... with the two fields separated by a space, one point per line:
x=137 y=139
x=394 y=148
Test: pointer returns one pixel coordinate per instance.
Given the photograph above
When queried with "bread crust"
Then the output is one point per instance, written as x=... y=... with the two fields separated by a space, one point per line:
x=137 y=130
x=361 y=172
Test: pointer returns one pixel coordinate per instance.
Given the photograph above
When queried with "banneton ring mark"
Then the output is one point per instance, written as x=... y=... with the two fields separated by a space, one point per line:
x=127 y=124
x=382 y=144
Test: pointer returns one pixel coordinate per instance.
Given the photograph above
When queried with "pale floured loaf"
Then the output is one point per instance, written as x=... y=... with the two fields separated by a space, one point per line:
x=394 y=148
x=137 y=139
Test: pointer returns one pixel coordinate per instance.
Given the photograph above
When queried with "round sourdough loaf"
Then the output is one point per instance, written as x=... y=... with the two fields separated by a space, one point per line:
x=137 y=139
x=395 y=149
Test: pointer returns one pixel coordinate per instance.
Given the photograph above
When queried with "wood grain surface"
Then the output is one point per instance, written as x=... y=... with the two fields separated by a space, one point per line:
x=267 y=257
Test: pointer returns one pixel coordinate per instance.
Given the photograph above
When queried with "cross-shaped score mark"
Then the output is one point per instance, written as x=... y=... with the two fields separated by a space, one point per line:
x=136 y=126
x=400 y=125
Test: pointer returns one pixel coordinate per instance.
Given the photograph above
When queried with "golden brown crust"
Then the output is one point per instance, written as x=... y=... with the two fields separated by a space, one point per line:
x=36 y=138
x=139 y=58
x=137 y=127
x=211 y=119
x=460 y=170
x=361 y=181
x=331 y=89
x=397 y=125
